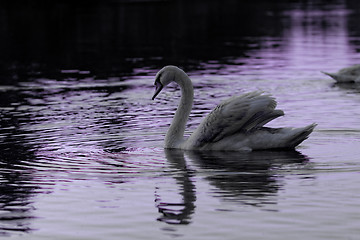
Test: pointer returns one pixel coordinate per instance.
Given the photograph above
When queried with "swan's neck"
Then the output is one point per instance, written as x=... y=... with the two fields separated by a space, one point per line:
x=175 y=135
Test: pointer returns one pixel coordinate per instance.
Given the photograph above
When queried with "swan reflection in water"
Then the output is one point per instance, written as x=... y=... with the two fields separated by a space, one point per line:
x=250 y=178
x=179 y=213
x=348 y=87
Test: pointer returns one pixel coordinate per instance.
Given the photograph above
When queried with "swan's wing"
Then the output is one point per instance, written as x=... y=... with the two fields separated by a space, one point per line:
x=238 y=114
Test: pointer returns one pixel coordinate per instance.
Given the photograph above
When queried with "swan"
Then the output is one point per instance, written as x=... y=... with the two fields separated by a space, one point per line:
x=349 y=74
x=236 y=124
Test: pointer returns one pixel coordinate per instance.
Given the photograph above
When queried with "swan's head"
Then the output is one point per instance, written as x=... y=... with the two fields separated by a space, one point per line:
x=165 y=76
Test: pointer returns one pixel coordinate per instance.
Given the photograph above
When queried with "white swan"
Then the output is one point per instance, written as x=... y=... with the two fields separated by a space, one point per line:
x=349 y=74
x=235 y=124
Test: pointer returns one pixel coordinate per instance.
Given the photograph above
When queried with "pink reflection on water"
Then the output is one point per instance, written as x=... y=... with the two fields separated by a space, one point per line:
x=319 y=39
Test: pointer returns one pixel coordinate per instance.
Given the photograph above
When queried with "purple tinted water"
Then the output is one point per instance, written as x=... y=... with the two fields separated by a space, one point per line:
x=86 y=158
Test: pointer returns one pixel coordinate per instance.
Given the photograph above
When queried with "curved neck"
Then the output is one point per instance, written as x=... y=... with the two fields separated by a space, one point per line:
x=175 y=135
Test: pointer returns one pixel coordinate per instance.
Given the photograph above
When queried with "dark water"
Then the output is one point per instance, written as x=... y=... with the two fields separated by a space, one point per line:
x=81 y=152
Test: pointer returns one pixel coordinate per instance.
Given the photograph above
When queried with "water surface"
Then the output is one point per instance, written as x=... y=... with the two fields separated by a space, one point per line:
x=82 y=158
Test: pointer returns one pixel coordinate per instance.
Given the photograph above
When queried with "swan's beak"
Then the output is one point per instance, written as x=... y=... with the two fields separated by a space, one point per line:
x=158 y=88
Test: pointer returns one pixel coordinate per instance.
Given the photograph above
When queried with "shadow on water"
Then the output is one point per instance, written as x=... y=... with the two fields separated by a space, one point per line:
x=16 y=188
x=249 y=178
x=16 y=192
x=114 y=36
x=16 y=178
x=102 y=32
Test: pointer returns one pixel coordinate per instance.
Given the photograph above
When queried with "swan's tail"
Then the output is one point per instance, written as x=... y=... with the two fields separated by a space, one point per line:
x=333 y=75
x=340 y=78
x=301 y=134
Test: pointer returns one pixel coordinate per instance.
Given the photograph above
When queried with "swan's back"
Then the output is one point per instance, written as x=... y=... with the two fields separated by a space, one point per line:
x=237 y=115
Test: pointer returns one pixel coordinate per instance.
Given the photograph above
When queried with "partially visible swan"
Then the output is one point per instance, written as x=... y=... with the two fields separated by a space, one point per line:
x=235 y=124
x=349 y=74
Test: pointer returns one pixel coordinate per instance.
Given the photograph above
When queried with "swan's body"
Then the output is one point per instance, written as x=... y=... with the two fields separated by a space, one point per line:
x=235 y=124
x=345 y=75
